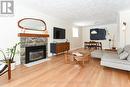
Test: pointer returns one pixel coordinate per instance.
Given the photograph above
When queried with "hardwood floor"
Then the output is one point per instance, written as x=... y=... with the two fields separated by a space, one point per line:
x=55 y=73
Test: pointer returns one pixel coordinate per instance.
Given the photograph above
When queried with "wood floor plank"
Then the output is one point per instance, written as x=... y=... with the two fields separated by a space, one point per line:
x=55 y=73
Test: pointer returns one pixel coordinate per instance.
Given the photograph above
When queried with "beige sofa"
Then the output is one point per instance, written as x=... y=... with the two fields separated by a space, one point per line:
x=112 y=59
x=99 y=53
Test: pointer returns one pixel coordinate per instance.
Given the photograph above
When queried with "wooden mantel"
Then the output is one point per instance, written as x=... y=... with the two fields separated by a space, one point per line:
x=32 y=35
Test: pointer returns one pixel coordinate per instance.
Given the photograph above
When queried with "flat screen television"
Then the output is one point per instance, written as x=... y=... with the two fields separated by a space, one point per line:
x=58 y=33
x=97 y=34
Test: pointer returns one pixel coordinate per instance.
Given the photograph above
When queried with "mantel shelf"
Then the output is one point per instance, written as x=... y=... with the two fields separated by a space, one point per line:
x=32 y=35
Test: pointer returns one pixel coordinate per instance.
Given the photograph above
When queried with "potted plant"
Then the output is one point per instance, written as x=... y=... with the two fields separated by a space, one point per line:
x=9 y=55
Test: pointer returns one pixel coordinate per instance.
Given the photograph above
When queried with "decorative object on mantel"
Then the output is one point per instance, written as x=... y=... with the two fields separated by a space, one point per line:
x=37 y=26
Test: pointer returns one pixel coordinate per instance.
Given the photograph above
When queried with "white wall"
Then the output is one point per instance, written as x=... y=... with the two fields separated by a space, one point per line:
x=112 y=28
x=9 y=28
x=75 y=40
x=124 y=16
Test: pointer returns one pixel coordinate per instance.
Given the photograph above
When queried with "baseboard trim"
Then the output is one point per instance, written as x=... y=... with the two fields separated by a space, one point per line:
x=36 y=62
x=50 y=55
x=75 y=48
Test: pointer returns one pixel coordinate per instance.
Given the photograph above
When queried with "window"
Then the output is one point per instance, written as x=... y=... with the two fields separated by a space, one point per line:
x=75 y=32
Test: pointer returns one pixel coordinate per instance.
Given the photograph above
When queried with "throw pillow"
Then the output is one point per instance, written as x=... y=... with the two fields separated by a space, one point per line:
x=119 y=51
x=124 y=55
x=128 y=58
x=127 y=48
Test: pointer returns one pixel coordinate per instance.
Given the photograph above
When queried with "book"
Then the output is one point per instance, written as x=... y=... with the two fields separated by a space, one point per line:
x=77 y=54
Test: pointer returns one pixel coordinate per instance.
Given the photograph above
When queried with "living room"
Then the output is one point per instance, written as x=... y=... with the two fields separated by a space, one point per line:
x=77 y=18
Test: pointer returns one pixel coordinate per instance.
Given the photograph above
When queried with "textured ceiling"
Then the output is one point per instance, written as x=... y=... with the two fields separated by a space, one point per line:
x=81 y=11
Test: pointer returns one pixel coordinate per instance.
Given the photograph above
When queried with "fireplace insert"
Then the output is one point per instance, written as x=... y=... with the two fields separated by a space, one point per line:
x=34 y=53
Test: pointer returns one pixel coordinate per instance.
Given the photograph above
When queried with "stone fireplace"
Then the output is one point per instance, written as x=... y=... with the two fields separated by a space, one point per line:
x=33 y=49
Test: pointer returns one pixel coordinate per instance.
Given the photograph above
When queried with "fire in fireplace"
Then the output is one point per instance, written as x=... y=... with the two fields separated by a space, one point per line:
x=34 y=53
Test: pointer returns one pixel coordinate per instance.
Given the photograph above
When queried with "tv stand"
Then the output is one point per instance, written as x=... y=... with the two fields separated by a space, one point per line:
x=56 y=48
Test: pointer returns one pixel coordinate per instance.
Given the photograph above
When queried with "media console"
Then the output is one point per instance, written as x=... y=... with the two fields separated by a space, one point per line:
x=59 y=47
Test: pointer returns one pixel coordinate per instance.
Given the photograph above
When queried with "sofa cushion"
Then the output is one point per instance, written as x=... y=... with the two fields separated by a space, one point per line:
x=114 y=58
x=97 y=53
x=120 y=50
x=127 y=48
x=100 y=53
x=123 y=55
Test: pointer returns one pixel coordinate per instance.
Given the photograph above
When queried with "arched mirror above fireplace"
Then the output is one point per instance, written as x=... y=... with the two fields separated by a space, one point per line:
x=32 y=25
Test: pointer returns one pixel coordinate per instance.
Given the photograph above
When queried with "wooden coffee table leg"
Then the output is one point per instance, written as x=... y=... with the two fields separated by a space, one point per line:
x=77 y=62
x=66 y=56
x=83 y=62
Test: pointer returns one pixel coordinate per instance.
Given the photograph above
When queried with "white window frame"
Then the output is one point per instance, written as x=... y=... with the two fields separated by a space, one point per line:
x=75 y=32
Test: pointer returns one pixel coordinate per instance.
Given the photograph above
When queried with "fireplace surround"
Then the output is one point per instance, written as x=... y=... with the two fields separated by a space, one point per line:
x=33 y=49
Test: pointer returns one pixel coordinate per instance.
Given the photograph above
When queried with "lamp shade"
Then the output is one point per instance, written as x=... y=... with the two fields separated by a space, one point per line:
x=94 y=32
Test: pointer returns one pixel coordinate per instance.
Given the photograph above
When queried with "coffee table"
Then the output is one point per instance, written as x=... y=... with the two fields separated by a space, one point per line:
x=80 y=60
